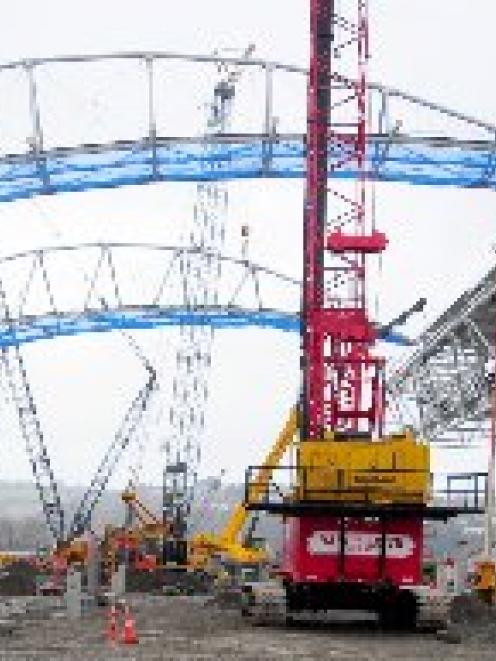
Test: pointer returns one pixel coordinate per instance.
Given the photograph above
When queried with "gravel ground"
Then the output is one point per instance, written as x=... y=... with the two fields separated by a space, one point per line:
x=178 y=628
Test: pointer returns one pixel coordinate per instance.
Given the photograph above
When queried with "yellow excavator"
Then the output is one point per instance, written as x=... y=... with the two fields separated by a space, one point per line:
x=221 y=556
x=224 y=555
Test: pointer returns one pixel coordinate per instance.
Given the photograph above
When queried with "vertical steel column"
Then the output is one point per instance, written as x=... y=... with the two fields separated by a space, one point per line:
x=152 y=122
x=269 y=117
x=318 y=106
x=342 y=386
x=36 y=143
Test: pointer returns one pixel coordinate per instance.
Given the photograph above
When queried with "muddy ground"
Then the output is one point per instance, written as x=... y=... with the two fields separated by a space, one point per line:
x=178 y=628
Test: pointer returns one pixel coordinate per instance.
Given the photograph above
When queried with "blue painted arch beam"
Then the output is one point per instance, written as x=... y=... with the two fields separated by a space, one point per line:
x=433 y=162
x=45 y=327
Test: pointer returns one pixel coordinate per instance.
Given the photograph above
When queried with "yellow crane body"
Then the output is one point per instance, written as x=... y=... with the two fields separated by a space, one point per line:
x=395 y=469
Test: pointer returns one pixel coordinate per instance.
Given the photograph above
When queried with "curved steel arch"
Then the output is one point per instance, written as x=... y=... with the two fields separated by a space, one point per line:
x=440 y=159
x=92 y=167
x=96 y=312
x=142 y=245
x=32 y=329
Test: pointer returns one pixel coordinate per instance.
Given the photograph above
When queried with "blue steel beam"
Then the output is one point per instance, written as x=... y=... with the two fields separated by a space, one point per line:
x=427 y=162
x=45 y=327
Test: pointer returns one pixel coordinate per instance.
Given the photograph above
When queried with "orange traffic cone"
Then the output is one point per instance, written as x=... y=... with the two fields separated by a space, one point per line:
x=112 y=625
x=129 y=636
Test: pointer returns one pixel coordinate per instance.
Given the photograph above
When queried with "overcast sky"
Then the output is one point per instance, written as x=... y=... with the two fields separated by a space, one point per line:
x=440 y=240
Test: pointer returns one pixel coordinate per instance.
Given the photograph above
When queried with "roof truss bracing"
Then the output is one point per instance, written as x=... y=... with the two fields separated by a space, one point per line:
x=449 y=376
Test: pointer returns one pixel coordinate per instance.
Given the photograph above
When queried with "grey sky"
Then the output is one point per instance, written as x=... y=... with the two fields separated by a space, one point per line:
x=439 y=239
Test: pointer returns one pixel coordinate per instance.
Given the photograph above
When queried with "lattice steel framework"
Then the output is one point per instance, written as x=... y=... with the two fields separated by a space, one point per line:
x=36 y=304
x=200 y=277
x=106 y=294
x=342 y=381
x=433 y=144
x=445 y=383
x=16 y=374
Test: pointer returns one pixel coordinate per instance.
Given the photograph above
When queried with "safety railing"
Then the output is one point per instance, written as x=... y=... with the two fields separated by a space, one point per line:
x=463 y=490
x=296 y=484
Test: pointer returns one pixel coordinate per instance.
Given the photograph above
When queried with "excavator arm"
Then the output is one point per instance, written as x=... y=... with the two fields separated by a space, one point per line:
x=258 y=486
x=228 y=539
x=150 y=525
x=141 y=511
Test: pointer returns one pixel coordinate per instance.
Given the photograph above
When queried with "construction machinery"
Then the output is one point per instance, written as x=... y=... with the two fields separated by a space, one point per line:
x=150 y=526
x=485 y=580
x=485 y=571
x=10 y=557
x=72 y=552
x=225 y=556
x=121 y=544
x=222 y=558
x=354 y=511
x=137 y=543
x=71 y=547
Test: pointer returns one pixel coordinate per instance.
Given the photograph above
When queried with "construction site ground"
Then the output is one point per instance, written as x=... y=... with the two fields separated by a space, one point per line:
x=180 y=627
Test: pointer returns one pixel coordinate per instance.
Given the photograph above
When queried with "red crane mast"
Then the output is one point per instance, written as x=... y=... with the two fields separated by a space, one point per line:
x=353 y=518
x=342 y=383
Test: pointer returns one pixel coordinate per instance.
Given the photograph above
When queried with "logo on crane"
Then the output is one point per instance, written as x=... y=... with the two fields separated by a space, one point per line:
x=327 y=542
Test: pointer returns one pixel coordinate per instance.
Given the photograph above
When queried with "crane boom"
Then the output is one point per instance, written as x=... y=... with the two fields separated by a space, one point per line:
x=12 y=362
x=32 y=432
x=124 y=435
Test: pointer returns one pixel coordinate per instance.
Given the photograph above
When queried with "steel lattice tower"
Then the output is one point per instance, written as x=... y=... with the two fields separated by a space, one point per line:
x=200 y=276
x=342 y=381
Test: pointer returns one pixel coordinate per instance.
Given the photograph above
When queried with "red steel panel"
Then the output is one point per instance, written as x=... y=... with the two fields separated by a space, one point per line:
x=373 y=243
x=312 y=550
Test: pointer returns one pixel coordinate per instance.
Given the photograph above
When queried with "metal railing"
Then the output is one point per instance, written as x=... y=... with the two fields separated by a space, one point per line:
x=297 y=484
x=465 y=490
